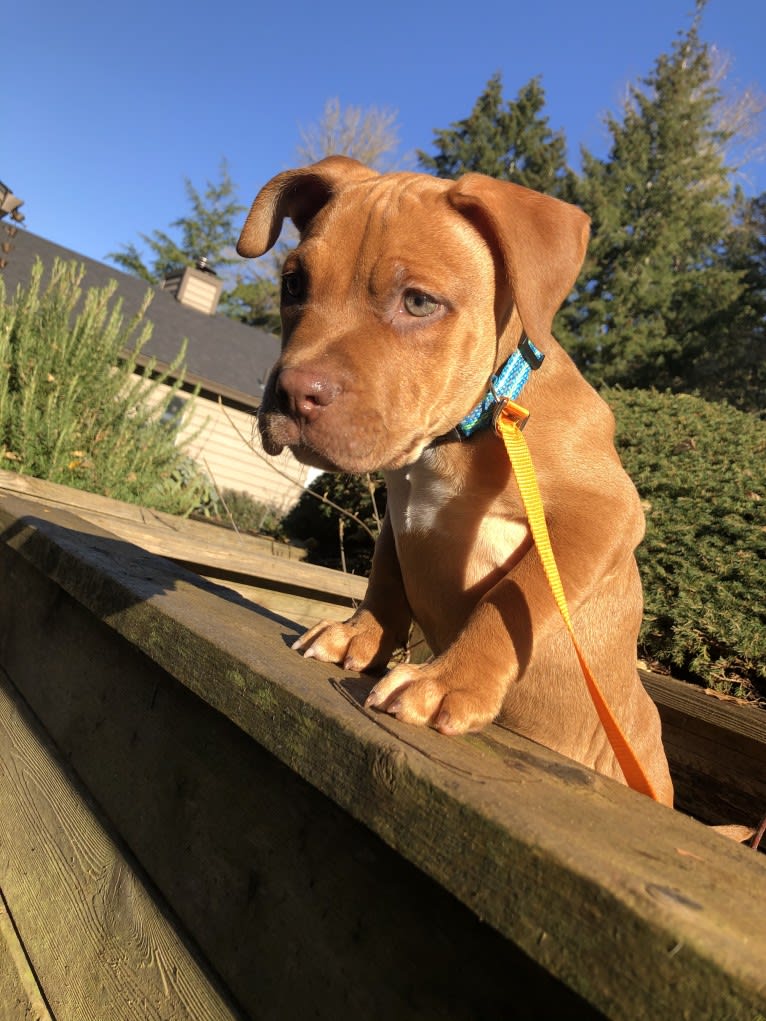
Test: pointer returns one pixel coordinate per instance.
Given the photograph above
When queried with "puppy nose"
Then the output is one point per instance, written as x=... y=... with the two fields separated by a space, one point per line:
x=302 y=393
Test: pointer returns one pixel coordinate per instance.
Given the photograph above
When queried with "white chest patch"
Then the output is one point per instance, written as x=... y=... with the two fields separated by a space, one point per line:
x=421 y=501
x=416 y=497
x=497 y=546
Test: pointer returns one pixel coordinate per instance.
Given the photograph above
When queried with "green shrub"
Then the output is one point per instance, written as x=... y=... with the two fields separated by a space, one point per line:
x=73 y=410
x=243 y=512
x=334 y=539
x=701 y=471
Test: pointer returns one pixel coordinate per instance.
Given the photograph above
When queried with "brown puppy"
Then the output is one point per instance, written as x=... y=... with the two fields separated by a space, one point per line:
x=406 y=294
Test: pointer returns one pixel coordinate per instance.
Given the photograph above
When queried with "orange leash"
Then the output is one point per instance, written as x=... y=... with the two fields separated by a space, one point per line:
x=509 y=420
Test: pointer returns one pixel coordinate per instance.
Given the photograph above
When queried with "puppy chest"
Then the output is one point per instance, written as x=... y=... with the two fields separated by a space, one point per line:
x=450 y=540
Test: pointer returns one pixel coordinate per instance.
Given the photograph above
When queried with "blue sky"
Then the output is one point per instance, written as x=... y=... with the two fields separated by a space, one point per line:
x=108 y=107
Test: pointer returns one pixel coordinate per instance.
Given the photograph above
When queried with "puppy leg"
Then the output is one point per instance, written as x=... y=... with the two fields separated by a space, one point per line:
x=359 y=643
x=461 y=690
x=367 y=639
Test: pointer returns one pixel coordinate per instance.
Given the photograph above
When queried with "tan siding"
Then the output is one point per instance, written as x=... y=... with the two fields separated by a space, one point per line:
x=225 y=443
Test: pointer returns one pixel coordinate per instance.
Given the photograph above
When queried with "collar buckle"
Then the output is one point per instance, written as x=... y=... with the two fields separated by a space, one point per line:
x=506 y=384
x=507 y=408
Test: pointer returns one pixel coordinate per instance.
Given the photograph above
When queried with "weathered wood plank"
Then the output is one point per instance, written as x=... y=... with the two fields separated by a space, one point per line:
x=21 y=998
x=95 y=937
x=212 y=552
x=304 y=593
x=717 y=751
x=84 y=503
x=303 y=911
x=212 y=560
x=628 y=903
x=297 y=609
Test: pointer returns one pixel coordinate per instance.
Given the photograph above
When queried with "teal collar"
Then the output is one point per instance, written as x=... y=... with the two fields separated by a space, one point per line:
x=508 y=382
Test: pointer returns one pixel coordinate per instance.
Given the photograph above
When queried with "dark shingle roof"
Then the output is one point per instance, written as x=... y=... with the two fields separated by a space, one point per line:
x=223 y=356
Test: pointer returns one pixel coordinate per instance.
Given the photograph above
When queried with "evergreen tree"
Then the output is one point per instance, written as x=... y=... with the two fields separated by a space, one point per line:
x=511 y=141
x=736 y=369
x=209 y=232
x=656 y=282
x=254 y=300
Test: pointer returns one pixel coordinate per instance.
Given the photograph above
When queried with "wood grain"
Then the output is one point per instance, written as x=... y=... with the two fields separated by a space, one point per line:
x=21 y=998
x=717 y=752
x=302 y=910
x=113 y=511
x=262 y=570
x=92 y=931
x=639 y=909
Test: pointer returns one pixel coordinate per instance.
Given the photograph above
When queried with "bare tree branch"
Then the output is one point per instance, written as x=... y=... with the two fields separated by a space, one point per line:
x=369 y=135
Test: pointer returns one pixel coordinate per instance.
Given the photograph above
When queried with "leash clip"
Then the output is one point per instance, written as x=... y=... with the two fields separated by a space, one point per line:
x=506 y=408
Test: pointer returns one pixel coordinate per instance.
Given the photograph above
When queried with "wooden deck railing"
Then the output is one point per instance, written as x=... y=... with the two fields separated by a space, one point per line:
x=198 y=823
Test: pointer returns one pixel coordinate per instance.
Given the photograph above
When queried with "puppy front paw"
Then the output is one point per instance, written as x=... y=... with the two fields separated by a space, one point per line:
x=359 y=643
x=428 y=694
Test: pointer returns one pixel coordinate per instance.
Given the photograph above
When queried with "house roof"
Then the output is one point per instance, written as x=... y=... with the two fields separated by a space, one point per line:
x=224 y=357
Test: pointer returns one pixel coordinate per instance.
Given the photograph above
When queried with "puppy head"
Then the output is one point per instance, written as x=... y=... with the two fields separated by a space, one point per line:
x=394 y=301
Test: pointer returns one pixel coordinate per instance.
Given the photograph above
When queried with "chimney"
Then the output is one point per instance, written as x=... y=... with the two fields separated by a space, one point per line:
x=197 y=287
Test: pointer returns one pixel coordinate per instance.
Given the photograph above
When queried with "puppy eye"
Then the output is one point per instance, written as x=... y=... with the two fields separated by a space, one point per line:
x=292 y=285
x=420 y=304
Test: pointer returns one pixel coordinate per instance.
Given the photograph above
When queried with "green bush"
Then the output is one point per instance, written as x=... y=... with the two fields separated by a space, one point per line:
x=242 y=511
x=72 y=408
x=344 y=541
x=701 y=471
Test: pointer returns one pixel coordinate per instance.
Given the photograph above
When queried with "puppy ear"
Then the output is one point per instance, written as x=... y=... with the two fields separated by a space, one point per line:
x=540 y=240
x=299 y=194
